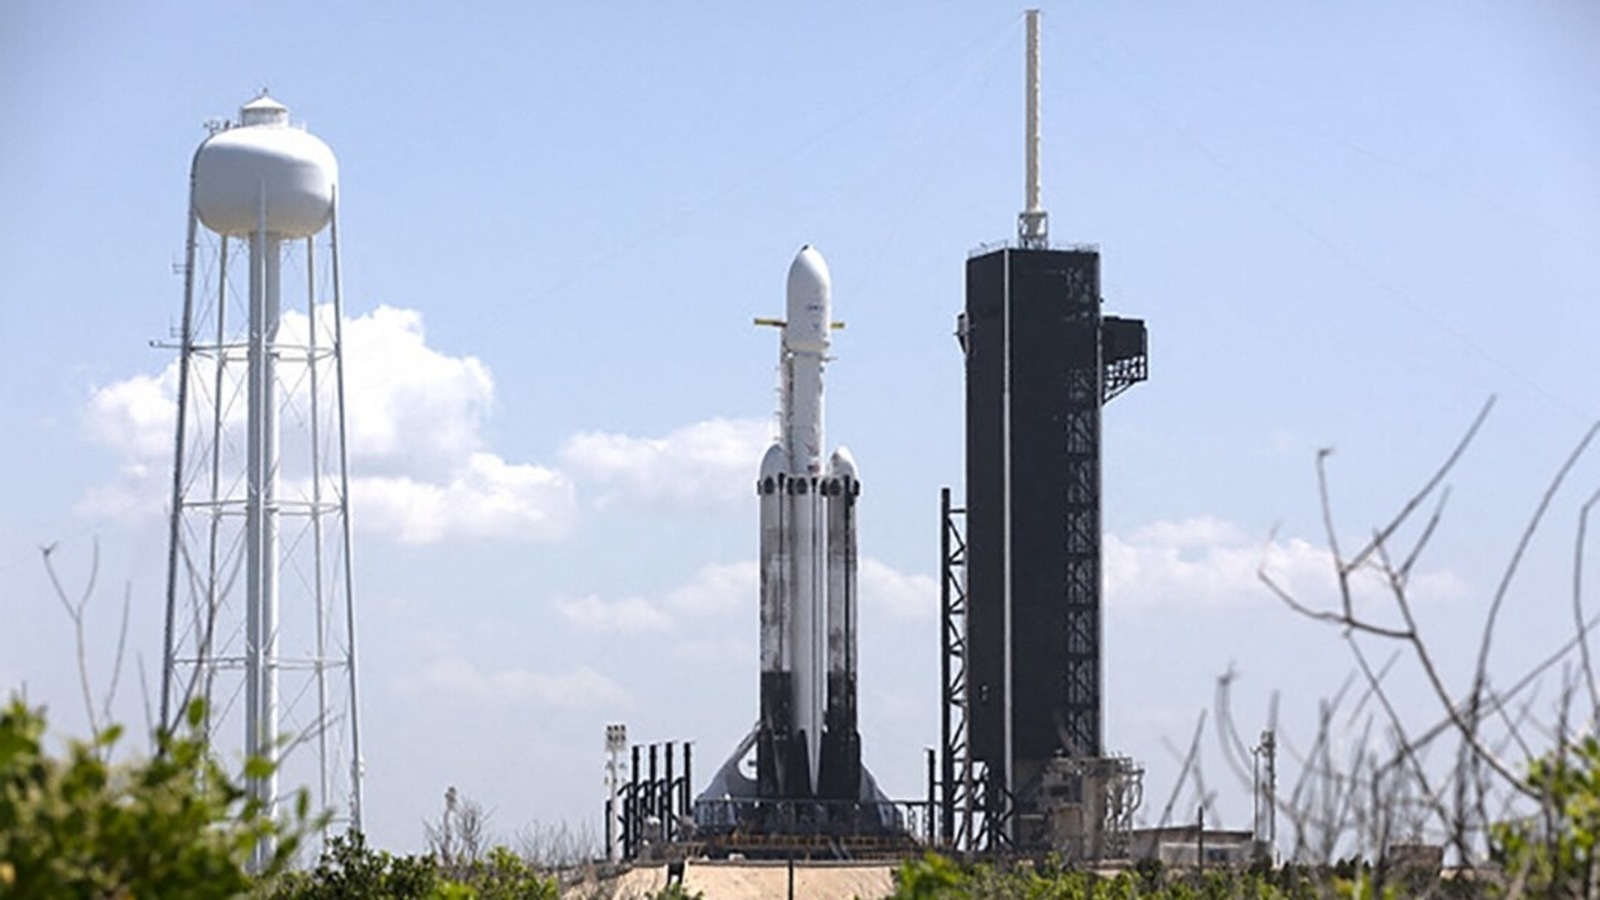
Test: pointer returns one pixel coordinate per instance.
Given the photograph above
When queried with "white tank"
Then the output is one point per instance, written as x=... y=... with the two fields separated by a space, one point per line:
x=264 y=163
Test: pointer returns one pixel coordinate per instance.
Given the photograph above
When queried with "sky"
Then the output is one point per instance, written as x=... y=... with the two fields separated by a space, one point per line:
x=1347 y=226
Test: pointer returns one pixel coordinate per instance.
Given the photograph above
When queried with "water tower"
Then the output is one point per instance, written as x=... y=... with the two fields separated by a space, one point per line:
x=260 y=622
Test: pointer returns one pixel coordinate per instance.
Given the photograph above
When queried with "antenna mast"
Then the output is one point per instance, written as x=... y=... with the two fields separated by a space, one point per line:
x=1033 y=223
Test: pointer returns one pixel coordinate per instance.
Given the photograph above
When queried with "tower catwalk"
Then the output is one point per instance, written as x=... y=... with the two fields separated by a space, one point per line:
x=260 y=622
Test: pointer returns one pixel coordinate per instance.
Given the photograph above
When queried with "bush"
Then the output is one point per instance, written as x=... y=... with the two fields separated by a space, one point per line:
x=1554 y=853
x=172 y=825
x=350 y=870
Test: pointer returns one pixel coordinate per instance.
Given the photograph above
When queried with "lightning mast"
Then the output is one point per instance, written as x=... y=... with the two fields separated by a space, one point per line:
x=1033 y=223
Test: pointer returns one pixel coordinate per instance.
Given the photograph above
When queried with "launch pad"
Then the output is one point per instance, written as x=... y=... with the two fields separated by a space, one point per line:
x=1022 y=766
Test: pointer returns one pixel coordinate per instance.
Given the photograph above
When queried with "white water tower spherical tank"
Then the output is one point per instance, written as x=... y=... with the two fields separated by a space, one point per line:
x=264 y=169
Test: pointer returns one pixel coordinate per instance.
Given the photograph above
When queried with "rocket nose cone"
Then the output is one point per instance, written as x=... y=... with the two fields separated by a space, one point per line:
x=808 y=274
x=810 y=293
x=842 y=464
x=775 y=462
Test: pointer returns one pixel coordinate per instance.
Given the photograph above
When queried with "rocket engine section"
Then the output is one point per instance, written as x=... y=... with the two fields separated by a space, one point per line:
x=807 y=744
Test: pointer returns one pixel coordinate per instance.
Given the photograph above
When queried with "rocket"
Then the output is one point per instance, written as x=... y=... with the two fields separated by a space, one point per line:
x=807 y=743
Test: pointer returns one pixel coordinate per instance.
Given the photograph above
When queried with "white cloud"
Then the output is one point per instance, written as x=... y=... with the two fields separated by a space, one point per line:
x=1205 y=562
x=710 y=464
x=1208 y=562
x=717 y=588
x=594 y=613
x=904 y=595
x=722 y=588
x=410 y=405
x=580 y=688
x=1428 y=587
x=137 y=416
x=489 y=497
x=415 y=415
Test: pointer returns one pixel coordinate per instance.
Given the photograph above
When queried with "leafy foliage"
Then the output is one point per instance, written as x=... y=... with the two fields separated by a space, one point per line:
x=675 y=891
x=503 y=875
x=350 y=870
x=935 y=877
x=1553 y=854
x=80 y=826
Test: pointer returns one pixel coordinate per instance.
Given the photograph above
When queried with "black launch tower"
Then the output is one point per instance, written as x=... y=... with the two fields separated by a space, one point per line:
x=1024 y=763
x=1041 y=360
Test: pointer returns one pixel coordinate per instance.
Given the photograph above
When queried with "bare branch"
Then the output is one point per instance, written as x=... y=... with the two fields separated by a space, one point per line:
x=74 y=610
x=122 y=646
x=1385 y=533
x=1189 y=760
x=1481 y=671
x=1234 y=751
x=1577 y=604
x=1342 y=619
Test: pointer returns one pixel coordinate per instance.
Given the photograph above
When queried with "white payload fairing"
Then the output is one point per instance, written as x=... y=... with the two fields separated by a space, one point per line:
x=807 y=744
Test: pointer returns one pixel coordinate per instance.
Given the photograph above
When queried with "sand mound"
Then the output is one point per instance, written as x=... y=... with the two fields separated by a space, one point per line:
x=749 y=880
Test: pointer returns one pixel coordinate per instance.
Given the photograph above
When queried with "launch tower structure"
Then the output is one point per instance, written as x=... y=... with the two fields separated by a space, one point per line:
x=1022 y=632
x=260 y=616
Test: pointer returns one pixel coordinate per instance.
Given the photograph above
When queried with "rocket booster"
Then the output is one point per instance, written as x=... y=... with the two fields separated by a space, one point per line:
x=807 y=741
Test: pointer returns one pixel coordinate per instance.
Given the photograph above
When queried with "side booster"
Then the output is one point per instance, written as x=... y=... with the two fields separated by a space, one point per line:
x=807 y=743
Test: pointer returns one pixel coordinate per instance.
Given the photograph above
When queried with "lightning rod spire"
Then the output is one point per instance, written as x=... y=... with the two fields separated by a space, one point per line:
x=1033 y=223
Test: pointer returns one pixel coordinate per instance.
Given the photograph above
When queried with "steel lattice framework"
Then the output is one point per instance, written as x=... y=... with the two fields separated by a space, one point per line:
x=1022 y=631
x=277 y=682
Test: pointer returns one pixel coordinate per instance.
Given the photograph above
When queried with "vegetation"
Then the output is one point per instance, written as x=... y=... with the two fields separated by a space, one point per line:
x=349 y=870
x=171 y=825
x=177 y=825
x=936 y=877
x=1554 y=853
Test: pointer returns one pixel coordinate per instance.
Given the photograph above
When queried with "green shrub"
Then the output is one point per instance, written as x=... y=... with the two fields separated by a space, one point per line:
x=172 y=825
x=350 y=870
x=1554 y=853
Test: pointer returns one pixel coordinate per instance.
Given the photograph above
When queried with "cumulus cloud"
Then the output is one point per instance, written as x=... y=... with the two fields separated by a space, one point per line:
x=708 y=464
x=722 y=588
x=415 y=416
x=1208 y=562
x=136 y=416
x=595 y=613
x=581 y=688
x=411 y=406
x=715 y=589
x=488 y=497
x=718 y=588
x=901 y=594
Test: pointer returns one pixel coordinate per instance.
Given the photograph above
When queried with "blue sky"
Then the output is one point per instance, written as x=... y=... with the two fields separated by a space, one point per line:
x=1346 y=226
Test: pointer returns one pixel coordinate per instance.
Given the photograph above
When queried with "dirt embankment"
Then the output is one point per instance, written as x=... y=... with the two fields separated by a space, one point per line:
x=748 y=880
